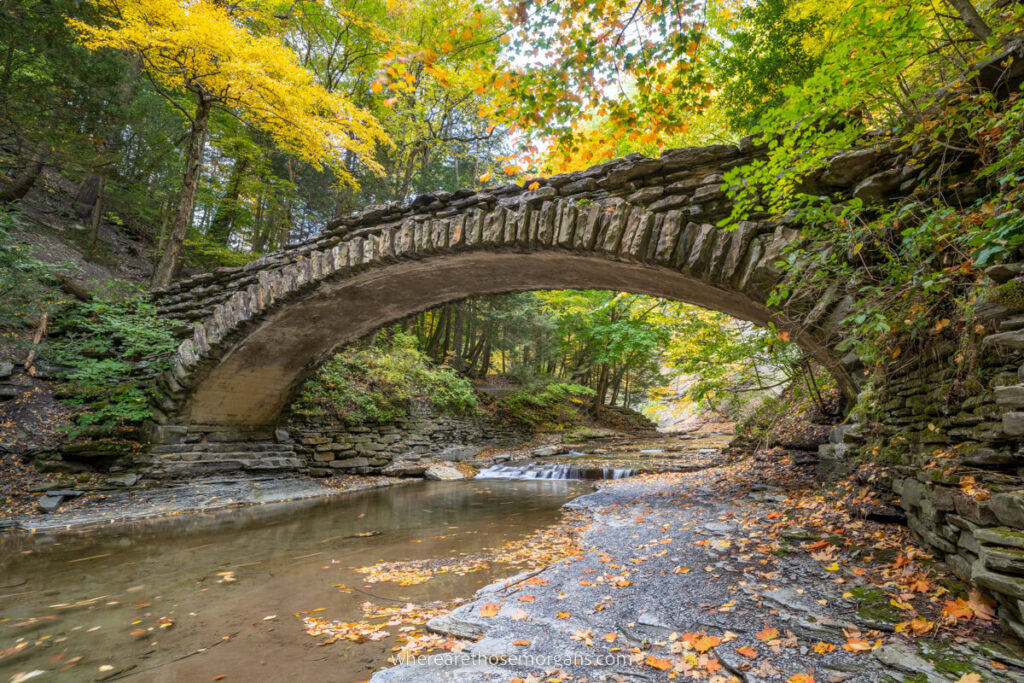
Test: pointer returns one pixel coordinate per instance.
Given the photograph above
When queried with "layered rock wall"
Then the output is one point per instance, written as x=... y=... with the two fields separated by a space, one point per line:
x=405 y=447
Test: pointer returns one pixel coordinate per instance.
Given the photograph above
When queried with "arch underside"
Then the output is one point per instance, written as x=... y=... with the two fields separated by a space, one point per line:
x=253 y=382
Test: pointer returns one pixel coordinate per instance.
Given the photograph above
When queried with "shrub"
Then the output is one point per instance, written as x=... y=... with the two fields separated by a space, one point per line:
x=378 y=385
x=27 y=285
x=110 y=348
x=553 y=405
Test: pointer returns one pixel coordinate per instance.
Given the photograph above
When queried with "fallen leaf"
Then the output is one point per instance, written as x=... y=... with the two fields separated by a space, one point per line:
x=658 y=663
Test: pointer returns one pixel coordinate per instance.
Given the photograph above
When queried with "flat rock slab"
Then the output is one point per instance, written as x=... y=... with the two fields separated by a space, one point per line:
x=658 y=564
x=202 y=494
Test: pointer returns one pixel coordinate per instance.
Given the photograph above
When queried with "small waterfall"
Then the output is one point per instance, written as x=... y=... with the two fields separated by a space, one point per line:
x=536 y=471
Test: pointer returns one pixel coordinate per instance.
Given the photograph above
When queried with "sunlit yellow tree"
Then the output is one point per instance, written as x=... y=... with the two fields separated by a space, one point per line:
x=202 y=54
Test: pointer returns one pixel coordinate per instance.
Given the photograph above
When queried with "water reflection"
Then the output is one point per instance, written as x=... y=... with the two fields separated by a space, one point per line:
x=243 y=573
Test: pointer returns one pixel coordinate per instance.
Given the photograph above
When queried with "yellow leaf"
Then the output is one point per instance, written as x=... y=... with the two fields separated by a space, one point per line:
x=490 y=609
x=969 y=678
x=485 y=177
x=533 y=186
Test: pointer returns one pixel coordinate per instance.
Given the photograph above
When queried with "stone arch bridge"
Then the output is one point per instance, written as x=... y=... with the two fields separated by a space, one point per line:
x=638 y=224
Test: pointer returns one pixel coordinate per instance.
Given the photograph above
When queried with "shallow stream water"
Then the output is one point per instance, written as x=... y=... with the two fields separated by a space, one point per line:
x=232 y=582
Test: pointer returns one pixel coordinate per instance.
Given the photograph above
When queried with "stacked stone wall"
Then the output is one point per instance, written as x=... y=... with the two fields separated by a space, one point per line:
x=404 y=447
x=951 y=425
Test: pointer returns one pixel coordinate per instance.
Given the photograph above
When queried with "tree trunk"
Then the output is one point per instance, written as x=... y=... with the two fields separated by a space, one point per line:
x=457 y=337
x=485 y=360
x=259 y=239
x=972 y=20
x=602 y=386
x=227 y=210
x=24 y=182
x=435 y=338
x=88 y=191
x=616 y=384
x=171 y=257
x=97 y=215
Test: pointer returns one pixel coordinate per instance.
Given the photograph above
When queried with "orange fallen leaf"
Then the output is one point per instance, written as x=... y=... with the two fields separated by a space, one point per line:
x=526 y=598
x=563 y=615
x=747 y=651
x=800 y=678
x=705 y=643
x=490 y=609
x=958 y=609
x=857 y=645
x=610 y=637
x=769 y=633
x=520 y=642
x=658 y=663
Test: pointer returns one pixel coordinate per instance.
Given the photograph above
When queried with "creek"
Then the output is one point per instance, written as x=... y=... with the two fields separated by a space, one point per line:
x=193 y=597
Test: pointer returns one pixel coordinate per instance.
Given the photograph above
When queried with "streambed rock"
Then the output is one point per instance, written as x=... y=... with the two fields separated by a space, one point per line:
x=449 y=471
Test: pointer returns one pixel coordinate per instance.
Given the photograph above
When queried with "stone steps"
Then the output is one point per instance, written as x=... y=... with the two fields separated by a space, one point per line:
x=172 y=449
x=229 y=464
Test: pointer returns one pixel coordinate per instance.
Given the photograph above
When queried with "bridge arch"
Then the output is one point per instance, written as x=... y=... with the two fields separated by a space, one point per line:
x=641 y=225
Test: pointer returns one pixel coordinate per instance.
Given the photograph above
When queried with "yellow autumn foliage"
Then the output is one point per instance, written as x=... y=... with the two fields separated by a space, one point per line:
x=207 y=49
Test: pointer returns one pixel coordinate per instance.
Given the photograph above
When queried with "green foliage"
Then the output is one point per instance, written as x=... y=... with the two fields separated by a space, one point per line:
x=885 y=71
x=761 y=56
x=111 y=348
x=25 y=282
x=378 y=385
x=209 y=254
x=550 y=405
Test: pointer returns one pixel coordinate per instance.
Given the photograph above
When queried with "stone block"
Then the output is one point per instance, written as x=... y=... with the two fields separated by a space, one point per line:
x=1010 y=396
x=1009 y=509
x=1004 y=560
x=1013 y=423
x=975 y=511
x=1003 y=584
x=1000 y=536
x=350 y=463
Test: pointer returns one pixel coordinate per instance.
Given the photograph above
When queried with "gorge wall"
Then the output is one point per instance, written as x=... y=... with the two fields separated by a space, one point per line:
x=950 y=425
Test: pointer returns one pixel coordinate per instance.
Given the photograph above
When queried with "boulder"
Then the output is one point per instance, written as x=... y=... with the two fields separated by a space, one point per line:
x=48 y=503
x=878 y=186
x=846 y=168
x=448 y=471
x=129 y=479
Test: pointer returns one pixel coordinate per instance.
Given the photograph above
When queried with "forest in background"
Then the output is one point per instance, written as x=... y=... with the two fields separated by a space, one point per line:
x=213 y=132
